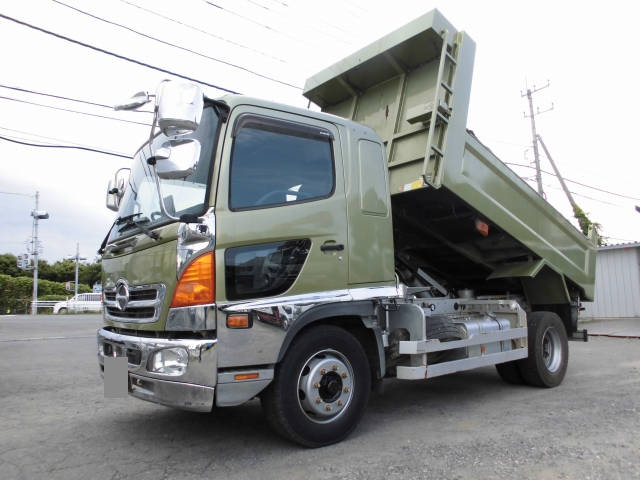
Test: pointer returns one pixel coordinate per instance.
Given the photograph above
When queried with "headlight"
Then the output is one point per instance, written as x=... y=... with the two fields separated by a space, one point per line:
x=169 y=361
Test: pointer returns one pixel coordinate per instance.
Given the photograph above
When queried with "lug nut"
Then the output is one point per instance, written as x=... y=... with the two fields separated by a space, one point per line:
x=339 y=403
x=327 y=407
x=323 y=372
x=316 y=385
x=334 y=368
x=318 y=400
x=345 y=389
x=344 y=375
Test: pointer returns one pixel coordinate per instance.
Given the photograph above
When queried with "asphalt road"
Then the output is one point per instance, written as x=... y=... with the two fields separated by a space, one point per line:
x=56 y=423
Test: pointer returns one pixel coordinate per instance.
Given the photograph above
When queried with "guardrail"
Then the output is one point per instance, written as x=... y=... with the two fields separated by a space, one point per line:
x=42 y=304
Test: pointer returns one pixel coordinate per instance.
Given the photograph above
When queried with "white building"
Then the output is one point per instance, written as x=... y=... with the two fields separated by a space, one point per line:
x=617 y=283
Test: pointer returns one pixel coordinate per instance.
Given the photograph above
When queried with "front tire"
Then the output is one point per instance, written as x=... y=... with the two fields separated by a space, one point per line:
x=62 y=311
x=548 y=357
x=320 y=389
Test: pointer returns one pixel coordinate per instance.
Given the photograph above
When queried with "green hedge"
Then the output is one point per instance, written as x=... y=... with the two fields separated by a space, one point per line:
x=17 y=292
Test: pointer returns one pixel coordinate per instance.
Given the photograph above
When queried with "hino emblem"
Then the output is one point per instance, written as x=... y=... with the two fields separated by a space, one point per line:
x=122 y=295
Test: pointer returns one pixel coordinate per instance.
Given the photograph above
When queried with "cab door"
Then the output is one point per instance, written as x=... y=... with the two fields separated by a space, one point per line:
x=281 y=218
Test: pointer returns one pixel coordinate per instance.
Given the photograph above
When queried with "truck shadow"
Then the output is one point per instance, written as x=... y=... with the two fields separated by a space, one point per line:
x=244 y=427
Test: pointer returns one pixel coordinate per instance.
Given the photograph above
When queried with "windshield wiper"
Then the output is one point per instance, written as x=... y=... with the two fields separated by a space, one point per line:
x=121 y=220
x=129 y=222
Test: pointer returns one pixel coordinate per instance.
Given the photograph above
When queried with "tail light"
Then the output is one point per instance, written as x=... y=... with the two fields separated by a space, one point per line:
x=197 y=284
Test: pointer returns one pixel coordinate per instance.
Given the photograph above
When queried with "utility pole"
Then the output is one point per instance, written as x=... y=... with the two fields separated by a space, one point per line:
x=35 y=246
x=77 y=259
x=534 y=135
x=555 y=169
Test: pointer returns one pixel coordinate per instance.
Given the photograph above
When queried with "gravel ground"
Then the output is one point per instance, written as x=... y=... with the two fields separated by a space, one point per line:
x=56 y=423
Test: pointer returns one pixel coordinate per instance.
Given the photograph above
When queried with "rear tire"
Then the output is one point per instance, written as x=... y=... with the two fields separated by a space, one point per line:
x=320 y=389
x=548 y=357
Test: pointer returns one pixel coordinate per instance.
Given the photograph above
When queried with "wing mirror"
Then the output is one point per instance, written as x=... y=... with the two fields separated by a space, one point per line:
x=115 y=190
x=179 y=106
x=176 y=159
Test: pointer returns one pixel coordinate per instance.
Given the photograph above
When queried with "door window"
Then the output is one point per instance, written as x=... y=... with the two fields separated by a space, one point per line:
x=277 y=162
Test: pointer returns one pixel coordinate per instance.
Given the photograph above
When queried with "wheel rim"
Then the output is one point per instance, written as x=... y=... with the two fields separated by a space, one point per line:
x=325 y=386
x=551 y=349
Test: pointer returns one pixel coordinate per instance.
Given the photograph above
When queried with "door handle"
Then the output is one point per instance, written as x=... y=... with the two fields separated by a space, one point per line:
x=335 y=247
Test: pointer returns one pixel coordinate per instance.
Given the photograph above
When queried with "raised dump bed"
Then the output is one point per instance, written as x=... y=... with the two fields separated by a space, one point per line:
x=460 y=214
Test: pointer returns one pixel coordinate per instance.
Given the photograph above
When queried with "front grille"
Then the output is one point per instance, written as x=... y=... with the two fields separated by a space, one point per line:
x=149 y=294
x=132 y=312
x=144 y=303
x=135 y=295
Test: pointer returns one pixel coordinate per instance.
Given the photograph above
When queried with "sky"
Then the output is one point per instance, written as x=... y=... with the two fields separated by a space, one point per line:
x=585 y=51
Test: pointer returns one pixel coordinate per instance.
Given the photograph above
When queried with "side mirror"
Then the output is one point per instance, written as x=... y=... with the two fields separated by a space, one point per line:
x=179 y=106
x=177 y=159
x=115 y=191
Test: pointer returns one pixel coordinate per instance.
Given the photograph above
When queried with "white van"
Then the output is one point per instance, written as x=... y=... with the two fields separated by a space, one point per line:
x=83 y=302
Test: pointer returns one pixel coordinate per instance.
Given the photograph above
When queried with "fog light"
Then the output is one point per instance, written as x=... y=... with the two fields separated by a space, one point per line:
x=169 y=361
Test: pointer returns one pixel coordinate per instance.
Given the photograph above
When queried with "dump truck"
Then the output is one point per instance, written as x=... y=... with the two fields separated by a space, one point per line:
x=304 y=256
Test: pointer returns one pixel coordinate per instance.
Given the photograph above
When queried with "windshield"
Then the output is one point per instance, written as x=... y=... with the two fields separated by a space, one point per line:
x=184 y=196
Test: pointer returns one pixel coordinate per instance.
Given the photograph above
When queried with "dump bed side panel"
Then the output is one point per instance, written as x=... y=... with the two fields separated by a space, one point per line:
x=412 y=87
x=482 y=180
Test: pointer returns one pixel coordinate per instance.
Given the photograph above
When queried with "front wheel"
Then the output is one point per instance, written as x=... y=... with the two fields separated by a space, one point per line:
x=62 y=311
x=320 y=389
x=548 y=357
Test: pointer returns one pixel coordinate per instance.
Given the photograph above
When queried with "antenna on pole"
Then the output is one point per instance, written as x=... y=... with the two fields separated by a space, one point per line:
x=529 y=94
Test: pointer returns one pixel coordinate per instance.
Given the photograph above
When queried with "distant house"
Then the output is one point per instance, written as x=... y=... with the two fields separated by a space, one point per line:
x=617 y=283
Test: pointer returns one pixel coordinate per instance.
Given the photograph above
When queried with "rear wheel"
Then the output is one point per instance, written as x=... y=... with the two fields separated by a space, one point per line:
x=548 y=357
x=320 y=389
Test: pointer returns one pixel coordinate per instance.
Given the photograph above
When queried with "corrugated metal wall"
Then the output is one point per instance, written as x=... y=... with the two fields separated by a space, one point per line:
x=617 y=284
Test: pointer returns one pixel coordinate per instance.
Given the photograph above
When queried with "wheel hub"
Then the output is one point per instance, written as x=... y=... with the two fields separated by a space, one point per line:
x=325 y=386
x=551 y=349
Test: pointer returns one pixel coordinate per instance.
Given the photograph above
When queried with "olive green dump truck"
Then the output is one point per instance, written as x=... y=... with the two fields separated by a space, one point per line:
x=302 y=257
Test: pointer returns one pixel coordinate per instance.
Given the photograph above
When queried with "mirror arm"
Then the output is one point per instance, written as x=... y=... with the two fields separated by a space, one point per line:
x=163 y=208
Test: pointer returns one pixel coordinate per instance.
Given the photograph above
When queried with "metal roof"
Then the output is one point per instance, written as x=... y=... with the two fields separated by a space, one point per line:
x=620 y=245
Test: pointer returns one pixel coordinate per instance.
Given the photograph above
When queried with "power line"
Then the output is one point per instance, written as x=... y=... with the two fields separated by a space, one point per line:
x=73 y=111
x=16 y=193
x=255 y=22
x=64 y=146
x=113 y=54
x=576 y=182
x=110 y=107
x=585 y=196
x=290 y=17
x=218 y=37
x=155 y=39
x=47 y=138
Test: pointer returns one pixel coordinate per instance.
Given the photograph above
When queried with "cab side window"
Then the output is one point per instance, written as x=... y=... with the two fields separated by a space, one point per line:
x=278 y=162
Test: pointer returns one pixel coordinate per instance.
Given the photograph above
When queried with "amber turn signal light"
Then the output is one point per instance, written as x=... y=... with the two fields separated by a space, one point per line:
x=246 y=376
x=239 y=321
x=197 y=283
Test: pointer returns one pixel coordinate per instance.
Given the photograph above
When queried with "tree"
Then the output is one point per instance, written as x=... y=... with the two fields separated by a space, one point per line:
x=8 y=266
x=91 y=273
x=586 y=224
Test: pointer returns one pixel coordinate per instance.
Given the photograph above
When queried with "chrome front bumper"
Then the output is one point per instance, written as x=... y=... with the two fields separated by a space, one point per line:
x=193 y=390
